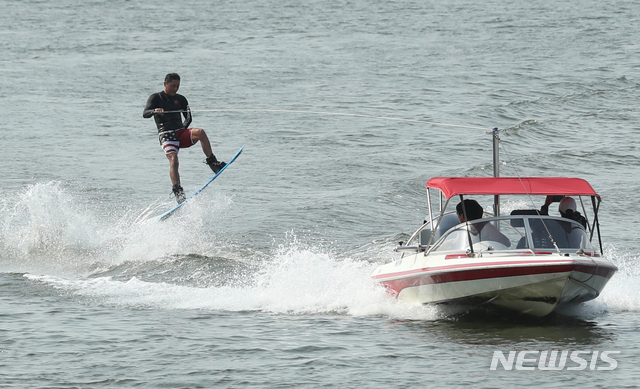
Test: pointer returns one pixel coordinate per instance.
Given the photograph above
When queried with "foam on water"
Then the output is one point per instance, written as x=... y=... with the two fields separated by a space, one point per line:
x=56 y=239
x=622 y=293
x=44 y=228
x=53 y=228
x=293 y=281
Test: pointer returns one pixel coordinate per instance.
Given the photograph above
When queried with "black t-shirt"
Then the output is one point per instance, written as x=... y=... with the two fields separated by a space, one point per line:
x=168 y=121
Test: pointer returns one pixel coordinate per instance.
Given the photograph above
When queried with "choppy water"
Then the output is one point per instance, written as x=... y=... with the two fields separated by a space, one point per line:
x=264 y=280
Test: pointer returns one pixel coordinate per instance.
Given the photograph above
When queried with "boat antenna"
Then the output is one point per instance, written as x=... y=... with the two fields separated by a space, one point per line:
x=496 y=168
x=496 y=143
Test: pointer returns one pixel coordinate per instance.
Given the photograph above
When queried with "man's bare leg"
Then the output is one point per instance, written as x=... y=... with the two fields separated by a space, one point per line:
x=198 y=134
x=175 y=177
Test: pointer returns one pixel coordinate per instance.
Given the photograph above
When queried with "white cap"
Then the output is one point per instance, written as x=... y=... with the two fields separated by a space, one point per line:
x=567 y=203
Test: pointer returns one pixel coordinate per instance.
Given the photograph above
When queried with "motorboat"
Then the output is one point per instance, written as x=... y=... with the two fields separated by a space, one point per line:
x=534 y=264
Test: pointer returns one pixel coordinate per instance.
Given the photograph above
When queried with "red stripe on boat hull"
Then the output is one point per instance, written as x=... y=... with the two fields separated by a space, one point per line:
x=435 y=276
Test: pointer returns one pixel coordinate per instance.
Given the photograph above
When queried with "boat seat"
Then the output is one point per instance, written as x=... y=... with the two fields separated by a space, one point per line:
x=520 y=222
x=425 y=235
x=522 y=243
x=447 y=222
x=525 y=212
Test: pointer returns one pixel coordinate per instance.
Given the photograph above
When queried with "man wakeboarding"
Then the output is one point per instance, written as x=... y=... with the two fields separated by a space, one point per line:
x=173 y=133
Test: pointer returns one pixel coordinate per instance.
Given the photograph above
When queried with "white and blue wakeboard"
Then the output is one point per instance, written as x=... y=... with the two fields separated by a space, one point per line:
x=171 y=212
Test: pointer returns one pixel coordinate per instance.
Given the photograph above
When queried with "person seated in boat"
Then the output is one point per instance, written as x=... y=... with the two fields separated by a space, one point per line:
x=486 y=230
x=544 y=210
x=567 y=208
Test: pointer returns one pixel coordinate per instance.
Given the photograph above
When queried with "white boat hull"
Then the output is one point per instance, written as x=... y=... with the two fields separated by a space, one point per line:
x=533 y=287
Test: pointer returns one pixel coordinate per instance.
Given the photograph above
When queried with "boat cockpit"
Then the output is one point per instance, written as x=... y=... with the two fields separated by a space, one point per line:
x=514 y=232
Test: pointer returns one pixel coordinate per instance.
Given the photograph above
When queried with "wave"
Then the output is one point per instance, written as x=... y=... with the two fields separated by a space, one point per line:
x=133 y=260
x=53 y=236
x=53 y=227
x=292 y=281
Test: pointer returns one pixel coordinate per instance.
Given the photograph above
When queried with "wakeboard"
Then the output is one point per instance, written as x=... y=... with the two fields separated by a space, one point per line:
x=171 y=212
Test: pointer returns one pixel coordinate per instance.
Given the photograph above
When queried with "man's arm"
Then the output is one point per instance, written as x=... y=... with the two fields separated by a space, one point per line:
x=152 y=104
x=186 y=114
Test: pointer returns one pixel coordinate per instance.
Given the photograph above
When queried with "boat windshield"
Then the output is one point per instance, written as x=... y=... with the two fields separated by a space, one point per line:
x=516 y=232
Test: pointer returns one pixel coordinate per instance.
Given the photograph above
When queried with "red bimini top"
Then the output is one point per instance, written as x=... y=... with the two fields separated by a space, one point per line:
x=452 y=186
